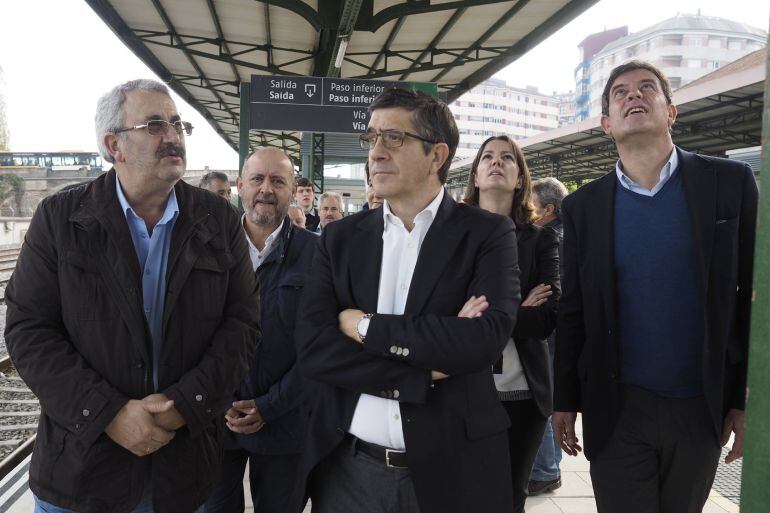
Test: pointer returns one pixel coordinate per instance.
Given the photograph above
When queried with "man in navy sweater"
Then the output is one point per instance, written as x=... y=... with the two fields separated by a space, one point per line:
x=652 y=338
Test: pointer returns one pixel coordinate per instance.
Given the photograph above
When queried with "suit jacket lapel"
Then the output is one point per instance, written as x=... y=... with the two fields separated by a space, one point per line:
x=700 y=188
x=437 y=249
x=113 y=254
x=602 y=221
x=523 y=236
x=193 y=229
x=366 y=261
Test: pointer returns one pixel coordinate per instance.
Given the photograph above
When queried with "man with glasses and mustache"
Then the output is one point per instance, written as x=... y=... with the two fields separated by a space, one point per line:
x=132 y=316
x=405 y=312
x=266 y=422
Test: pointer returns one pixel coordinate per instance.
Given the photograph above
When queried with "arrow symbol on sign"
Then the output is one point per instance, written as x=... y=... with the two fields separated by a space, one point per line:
x=310 y=90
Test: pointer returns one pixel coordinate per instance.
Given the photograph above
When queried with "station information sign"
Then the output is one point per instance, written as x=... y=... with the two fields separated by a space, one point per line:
x=317 y=104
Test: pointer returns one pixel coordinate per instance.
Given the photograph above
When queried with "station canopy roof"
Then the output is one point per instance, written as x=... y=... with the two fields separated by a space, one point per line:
x=718 y=112
x=204 y=49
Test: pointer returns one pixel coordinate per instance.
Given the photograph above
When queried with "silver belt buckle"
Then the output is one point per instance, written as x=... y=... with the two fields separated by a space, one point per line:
x=387 y=457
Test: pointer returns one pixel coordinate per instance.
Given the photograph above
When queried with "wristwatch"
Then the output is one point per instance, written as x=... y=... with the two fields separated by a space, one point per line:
x=363 y=326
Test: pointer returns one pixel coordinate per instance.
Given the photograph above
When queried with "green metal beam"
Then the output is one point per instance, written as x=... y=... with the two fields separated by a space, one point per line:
x=243 y=125
x=221 y=35
x=348 y=17
x=299 y=8
x=505 y=18
x=436 y=40
x=537 y=36
x=115 y=22
x=386 y=46
x=268 y=36
x=170 y=27
x=755 y=494
x=329 y=16
x=427 y=66
x=421 y=7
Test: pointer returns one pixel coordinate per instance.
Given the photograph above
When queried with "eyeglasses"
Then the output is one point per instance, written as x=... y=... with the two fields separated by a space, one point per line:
x=390 y=139
x=160 y=127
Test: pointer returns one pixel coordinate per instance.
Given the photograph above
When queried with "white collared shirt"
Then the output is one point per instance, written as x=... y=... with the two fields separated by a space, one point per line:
x=257 y=256
x=377 y=420
x=665 y=174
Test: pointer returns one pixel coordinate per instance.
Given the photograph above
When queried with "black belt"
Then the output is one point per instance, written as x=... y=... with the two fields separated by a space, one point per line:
x=391 y=457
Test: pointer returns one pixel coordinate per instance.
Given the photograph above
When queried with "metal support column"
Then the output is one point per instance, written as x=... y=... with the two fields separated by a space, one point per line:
x=555 y=167
x=755 y=493
x=318 y=162
x=243 y=129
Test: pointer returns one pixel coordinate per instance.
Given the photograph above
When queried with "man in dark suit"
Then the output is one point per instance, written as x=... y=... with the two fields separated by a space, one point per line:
x=652 y=336
x=267 y=420
x=407 y=417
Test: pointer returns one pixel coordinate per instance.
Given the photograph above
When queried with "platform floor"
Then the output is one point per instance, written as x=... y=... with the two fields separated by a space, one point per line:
x=574 y=496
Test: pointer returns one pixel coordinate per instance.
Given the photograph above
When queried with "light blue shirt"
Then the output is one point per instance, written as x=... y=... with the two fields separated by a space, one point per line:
x=665 y=174
x=152 y=252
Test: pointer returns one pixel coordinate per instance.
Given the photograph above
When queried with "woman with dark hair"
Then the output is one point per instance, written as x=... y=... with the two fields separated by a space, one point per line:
x=500 y=182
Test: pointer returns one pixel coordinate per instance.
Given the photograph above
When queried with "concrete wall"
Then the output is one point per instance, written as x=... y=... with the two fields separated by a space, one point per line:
x=12 y=229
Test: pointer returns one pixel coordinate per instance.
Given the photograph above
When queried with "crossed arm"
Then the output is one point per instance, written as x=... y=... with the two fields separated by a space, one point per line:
x=438 y=344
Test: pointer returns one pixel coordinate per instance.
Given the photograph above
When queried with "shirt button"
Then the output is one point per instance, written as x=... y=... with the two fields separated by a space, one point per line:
x=403 y=286
x=393 y=349
x=147 y=271
x=406 y=351
x=399 y=351
x=86 y=413
x=199 y=398
x=395 y=394
x=396 y=417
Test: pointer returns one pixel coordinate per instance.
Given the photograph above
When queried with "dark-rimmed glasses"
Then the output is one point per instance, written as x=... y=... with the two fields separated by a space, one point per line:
x=160 y=127
x=390 y=139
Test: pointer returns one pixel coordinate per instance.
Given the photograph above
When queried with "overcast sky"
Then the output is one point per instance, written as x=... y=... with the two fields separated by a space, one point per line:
x=58 y=57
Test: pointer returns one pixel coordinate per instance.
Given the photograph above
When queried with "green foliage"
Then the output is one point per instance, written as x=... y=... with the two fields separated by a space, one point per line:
x=11 y=186
x=574 y=185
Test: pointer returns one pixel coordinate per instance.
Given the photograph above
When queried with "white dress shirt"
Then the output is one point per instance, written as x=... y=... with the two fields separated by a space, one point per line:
x=669 y=168
x=257 y=256
x=377 y=420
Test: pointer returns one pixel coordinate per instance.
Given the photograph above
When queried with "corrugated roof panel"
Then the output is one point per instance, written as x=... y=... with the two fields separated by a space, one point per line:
x=225 y=41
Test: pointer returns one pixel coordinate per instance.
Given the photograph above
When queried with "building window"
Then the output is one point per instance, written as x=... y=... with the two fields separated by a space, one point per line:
x=671 y=61
x=734 y=44
x=715 y=42
x=693 y=63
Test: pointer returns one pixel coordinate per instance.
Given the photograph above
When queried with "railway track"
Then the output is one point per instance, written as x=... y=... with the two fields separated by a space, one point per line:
x=19 y=413
x=19 y=409
x=8 y=257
